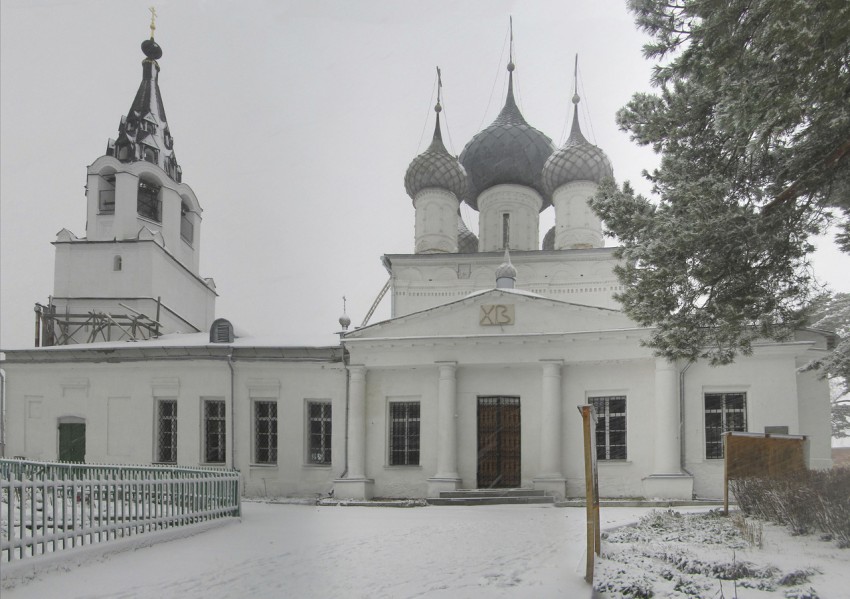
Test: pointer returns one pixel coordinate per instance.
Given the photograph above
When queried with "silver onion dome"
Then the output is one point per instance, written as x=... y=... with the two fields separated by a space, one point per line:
x=549 y=239
x=467 y=242
x=577 y=160
x=508 y=151
x=506 y=270
x=435 y=167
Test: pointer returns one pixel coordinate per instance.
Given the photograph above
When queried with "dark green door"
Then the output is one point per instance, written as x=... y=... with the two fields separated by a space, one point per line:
x=72 y=442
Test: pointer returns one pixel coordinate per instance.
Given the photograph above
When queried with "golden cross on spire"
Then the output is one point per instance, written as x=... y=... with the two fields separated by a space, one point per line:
x=575 y=76
x=439 y=84
x=153 y=19
x=511 y=18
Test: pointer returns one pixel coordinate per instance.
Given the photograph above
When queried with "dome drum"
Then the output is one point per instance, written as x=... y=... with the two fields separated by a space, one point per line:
x=509 y=216
x=577 y=225
x=436 y=228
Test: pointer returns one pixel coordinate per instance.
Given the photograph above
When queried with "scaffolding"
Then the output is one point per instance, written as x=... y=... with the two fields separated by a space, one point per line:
x=55 y=328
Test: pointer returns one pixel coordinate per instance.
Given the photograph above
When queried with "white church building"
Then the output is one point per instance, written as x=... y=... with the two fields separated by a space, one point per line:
x=472 y=383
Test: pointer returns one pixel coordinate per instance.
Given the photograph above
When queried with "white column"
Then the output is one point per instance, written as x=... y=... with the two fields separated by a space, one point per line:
x=667 y=448
x=357 y=422
x=550 y=415
x=447 y=422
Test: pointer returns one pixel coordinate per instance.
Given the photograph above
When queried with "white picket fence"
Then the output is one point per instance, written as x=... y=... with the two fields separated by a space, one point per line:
x=48 y=507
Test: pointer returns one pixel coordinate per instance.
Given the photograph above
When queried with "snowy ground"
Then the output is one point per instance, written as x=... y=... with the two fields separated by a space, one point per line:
x=488 y=551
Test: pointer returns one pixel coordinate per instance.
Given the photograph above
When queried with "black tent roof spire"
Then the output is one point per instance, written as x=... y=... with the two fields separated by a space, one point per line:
x=143 y=134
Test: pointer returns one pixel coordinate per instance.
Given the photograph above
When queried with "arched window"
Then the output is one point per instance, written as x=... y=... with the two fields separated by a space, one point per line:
x=106 y=195
x=117 y=263
x=150 y=155
x=148 y=204
x=187 y=227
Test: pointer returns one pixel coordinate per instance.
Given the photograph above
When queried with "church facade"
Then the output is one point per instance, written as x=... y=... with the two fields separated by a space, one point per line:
x=472 y=383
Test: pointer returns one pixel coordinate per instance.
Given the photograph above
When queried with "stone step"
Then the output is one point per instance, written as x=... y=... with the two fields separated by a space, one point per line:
x=490 y=500
x=460 y=493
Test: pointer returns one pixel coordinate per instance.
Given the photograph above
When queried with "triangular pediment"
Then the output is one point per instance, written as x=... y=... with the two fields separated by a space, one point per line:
x=498 y=312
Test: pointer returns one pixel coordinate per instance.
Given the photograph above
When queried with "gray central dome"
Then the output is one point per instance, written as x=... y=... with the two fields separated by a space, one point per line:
x=577 y=160
x=508 y=151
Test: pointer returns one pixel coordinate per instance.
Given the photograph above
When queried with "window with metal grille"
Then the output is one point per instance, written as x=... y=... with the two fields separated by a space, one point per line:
x=215 y=435
x=724 y=412
x=610 y=426
x=167 y=431
x=404 y=433
x=148 y=204
x=319 y=424
x=265 y=432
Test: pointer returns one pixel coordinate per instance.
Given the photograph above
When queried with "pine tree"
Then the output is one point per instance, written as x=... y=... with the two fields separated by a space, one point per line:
x=832 y=313
x=752 y=122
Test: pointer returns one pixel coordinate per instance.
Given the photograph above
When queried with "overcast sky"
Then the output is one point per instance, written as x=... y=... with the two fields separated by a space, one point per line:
x=294 y=123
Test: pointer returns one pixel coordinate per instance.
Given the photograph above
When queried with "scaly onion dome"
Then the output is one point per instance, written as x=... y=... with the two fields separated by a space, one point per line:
x=577 y=160
x=508 y=151
x=435 y=167
x=467 y=242
x=549 y=239
x=506 y=270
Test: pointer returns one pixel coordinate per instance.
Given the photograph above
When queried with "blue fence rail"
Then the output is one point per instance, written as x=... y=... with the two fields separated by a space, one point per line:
x=46 y=507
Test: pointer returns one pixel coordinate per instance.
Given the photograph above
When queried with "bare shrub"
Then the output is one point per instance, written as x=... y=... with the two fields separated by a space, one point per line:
x=751 y=530
x=805 y=502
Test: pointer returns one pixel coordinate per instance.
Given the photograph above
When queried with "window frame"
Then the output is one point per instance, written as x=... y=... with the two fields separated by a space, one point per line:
x=149 y=197
x=271 y=449
x=411 y=452
x=321 y=453
x=220 y=425
x=714 y=448
x=161 y=418
x=187 y=227
x=603 y=416
x=104 y=206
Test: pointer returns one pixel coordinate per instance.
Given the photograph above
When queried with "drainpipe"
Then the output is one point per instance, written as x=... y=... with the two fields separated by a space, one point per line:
x=232 y=409
x=2 y=413
x=347 y=380
x=682 y=418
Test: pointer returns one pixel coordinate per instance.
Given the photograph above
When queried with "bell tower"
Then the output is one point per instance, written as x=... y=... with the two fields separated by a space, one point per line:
x=135 y=273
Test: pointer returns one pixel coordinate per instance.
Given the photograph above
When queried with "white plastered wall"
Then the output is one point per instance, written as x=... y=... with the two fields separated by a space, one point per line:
x=768 y=378
x=119 y=405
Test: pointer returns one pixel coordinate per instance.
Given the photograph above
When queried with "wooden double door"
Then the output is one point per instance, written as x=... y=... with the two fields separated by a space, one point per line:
x=499 y=454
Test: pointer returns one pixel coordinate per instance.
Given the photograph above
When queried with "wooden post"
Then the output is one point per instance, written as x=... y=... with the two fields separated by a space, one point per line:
x=591 y=485
x=725 y=474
